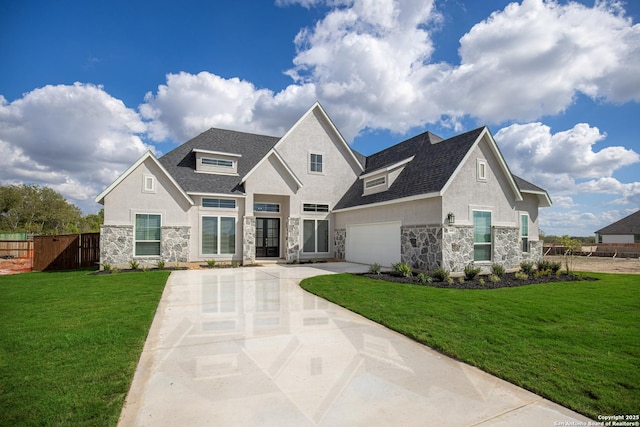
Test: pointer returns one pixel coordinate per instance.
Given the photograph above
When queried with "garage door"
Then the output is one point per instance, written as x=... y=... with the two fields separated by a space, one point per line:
x=369 y=243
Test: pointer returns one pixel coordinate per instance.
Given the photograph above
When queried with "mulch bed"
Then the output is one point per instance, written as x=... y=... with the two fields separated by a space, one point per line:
x=506 y=281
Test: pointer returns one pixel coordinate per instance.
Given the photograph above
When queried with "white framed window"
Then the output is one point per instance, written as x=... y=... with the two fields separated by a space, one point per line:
x=482 y=236
x=147 y=235
x=315 y=207
x=218 y=235
x=221 y=163
x=524 y=232
x=316 y=163
x=375 y=182
x=481 y=170
x=209 y=202
x=148 y=184
x=266 y=207
x=315 y=236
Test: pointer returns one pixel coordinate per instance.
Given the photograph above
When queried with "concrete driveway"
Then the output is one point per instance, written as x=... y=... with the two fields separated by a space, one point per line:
x=249 y=347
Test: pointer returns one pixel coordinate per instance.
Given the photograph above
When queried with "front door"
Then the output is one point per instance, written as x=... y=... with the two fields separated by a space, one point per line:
x=267 y=237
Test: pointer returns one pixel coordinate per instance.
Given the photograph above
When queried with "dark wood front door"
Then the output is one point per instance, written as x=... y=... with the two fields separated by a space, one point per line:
x=267 y=237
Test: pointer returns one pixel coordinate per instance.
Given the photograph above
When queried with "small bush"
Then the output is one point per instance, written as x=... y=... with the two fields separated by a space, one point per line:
x=494 y=278
x=481 y=281
x=449 y=281
x=106 y=266
x=521 y=275
x=441 y=275
x=555 y=267
x=134 y=264
x=526 y=267
x=424 y=278
x=374 y=268
x=497 y=270
x=211 y=262
x=461 y=280
x=403 y=269
x=471 y=272
x=160 y=264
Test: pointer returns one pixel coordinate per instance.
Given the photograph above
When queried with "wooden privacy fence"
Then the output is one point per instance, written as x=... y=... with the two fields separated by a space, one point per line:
x=66 y=252
x=16 y=248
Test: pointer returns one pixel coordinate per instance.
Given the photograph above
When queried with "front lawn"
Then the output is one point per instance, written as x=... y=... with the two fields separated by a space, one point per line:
x=575 y=343
x=70 y=343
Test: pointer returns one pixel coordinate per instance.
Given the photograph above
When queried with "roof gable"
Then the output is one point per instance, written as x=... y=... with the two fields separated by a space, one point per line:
x=128 y=171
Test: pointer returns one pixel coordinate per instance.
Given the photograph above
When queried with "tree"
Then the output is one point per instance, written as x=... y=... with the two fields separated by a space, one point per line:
x=35 y=209
x=570 y=246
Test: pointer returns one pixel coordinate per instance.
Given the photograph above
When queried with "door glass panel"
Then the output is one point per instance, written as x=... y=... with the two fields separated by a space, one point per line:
x=209 y=235
x=323 y=236
x=309 y=236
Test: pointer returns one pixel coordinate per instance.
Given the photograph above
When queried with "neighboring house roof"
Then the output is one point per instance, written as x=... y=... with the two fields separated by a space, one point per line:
x=435 y=162
x=142 y=159
x=627 y=225
x=181 y=162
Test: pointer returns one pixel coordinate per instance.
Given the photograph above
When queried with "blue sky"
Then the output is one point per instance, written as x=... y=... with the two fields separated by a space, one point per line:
x=87 y=87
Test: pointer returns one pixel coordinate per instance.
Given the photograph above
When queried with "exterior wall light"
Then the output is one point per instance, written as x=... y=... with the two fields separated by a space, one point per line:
x=451 y=218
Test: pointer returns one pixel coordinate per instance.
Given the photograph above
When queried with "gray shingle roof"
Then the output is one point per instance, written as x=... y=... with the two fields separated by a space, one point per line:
x=181 y=163
x=434 y=162
x=627 y=225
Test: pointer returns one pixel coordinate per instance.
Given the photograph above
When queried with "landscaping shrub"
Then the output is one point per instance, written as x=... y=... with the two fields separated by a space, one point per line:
x=424 y=278
x=440 y=274
x=526 y=267
x=374 y=268
x=402 y=269
x=471 y=272
x=498 y=270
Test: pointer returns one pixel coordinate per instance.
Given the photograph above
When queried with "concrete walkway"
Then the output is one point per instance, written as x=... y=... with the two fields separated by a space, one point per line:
x=249 y=347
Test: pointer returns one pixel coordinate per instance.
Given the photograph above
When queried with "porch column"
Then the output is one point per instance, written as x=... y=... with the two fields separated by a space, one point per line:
x=293 y=240
x=249 y=240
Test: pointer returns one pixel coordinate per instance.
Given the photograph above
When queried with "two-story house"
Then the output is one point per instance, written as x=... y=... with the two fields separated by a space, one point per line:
x=240 y=197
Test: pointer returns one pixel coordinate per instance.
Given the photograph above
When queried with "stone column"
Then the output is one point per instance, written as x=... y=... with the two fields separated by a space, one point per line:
x=249 y=240
x=507 y=249
x=421 y=246
x=457 y=247
x=293 y=240
x=339 y=243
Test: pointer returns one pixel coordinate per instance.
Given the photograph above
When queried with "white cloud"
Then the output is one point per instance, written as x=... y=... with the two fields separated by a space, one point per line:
x=75 y=139
x=556 y=161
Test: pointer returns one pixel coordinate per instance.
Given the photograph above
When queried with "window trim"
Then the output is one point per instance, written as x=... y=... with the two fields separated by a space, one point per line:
x=266 y=204
x=219 y=199
x=481 y=170
x=315 y=207
x=315 y=231
x=373 y=182
x=524 y=238
x=310 y=162
x=490 y=243
x=136 y=241
x=217 y=162
x=218 y=239
x=148 y=178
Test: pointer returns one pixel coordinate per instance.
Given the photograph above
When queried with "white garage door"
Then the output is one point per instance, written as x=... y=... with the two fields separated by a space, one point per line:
x=369 y=243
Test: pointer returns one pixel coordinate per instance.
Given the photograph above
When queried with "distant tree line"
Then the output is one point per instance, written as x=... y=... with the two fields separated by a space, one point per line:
x=561 y=239
x=34 y=209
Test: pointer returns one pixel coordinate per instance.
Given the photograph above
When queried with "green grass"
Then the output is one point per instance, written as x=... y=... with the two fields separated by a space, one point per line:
x=576 y=343
x=70 y=343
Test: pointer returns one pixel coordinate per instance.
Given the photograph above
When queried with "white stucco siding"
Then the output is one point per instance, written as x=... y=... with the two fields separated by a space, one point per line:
x=314 y=135
x=417 y=212
x=466 y=192
x=271 y=177
x=529 y=205
x=130 y=197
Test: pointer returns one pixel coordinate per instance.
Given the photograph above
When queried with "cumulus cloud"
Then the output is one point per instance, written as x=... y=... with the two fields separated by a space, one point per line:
x=568 y=162
x=73 y=138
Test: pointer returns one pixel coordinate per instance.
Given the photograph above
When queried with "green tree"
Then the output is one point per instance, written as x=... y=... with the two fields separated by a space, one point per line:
x=570 y=246
x=91 y=223
x=34 y=209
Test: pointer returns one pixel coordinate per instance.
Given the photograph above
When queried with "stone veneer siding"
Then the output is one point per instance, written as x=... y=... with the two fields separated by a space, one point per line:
x=249 y=240
x=174 y=244
x=507 y=249
x=421 y=246
x=117 y=245
x=339 y=243
x=293 y=240
x=457 y=247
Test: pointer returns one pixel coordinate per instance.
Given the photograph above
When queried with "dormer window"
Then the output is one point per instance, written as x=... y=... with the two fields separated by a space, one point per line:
x=216 y=162
x=375 y=182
